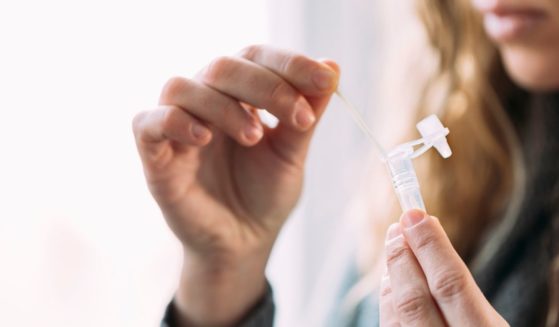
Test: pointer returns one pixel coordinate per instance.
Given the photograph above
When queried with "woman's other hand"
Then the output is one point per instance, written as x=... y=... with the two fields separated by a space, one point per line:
x=225 y=182
x=427 y=283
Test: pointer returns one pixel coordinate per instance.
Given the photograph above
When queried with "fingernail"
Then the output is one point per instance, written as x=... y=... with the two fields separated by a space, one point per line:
x=324 y=79
x=198 y=131
x=394 y=231
x=412 y=218
x=304 y=117
x=253 y=133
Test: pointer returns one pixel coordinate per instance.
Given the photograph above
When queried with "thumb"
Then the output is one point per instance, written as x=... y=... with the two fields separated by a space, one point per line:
x=294 y=144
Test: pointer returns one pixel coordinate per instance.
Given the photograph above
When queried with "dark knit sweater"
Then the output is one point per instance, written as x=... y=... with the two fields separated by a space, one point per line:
x=517 y=280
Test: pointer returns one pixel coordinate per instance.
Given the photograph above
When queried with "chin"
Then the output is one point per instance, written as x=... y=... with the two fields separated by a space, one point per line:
x=532 y=70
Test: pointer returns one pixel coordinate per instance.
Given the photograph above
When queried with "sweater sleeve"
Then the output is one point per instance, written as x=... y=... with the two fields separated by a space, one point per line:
x=261 y=315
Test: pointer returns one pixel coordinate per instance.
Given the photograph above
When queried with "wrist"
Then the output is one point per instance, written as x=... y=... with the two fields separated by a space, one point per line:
x=219 y=290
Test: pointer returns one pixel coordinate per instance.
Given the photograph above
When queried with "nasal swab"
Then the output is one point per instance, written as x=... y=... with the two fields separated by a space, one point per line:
x=399 y=160
x=361 y=123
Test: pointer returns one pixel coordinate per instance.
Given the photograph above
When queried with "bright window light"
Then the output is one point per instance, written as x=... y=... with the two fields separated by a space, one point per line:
x=81 y=241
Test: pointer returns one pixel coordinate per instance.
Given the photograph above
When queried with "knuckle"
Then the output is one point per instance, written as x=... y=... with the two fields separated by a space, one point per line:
x=293 y=63
x=169 y=120
x=281 y=92
x=174 y=87
x=229 y=109
x=217 y=68
x=448 y=285
x=411 y=305
x=395 y=254
x=385 y=291
x=137 y=123
x=229 y=115
x=426 y=241
x=250 y=52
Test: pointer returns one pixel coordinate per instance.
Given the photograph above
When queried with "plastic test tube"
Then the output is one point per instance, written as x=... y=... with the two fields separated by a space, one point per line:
x=405 y=180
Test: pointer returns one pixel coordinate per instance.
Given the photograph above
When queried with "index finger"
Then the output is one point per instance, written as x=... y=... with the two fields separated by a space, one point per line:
x=450 y=282
x=308 y=76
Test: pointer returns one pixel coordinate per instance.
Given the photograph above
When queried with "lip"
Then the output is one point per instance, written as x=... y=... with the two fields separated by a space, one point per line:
x=505 y=23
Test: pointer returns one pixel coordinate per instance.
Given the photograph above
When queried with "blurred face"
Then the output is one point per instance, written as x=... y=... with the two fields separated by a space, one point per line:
x=526 y=33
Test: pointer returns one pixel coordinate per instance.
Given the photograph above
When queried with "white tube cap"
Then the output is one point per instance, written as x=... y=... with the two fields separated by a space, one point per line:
x=433 y=131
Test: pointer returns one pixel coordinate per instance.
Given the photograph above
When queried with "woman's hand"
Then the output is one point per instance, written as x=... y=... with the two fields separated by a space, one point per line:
x=427 y=284
x=224 y=182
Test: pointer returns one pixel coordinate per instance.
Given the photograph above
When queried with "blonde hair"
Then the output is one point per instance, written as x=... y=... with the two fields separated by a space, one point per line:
x=485 y=178
x=481 y=187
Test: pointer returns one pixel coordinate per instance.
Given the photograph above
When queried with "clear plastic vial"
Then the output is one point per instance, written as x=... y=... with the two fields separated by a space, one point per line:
x=404 y=179
x=399 y=160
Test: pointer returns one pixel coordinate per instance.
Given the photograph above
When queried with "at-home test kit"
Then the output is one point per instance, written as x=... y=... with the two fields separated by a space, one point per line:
x=399 y=159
